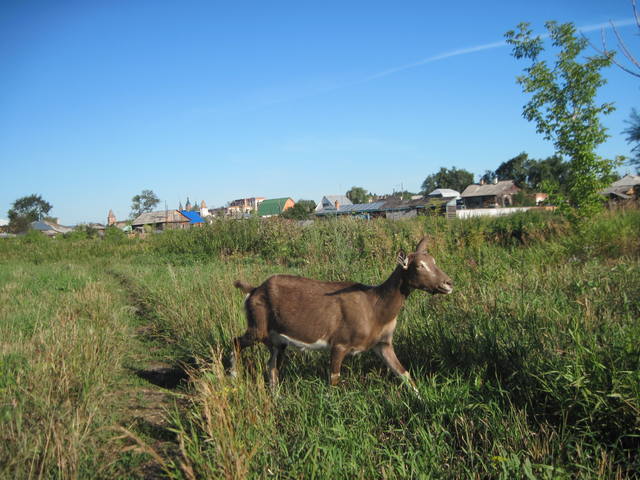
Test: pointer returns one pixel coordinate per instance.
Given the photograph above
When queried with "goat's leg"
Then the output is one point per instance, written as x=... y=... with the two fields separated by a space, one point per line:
x=273 y=365
x=338 y=353
x=388 y=355
x=282 y=355
x=240 y=343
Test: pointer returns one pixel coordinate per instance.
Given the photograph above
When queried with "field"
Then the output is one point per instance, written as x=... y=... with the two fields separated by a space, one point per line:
x=112 y=355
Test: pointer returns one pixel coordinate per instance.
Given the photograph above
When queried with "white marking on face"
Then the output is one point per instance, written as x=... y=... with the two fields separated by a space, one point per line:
x=281 y=339
x=425 y=266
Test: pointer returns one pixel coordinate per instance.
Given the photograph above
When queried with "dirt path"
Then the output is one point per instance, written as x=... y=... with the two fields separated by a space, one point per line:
x=155 y=388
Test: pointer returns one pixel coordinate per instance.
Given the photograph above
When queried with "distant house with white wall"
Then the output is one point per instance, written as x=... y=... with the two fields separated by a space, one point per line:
x=332 y=203
x=244 y=205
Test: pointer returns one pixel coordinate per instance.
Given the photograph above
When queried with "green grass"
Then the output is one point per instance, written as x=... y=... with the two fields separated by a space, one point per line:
x=531 y=368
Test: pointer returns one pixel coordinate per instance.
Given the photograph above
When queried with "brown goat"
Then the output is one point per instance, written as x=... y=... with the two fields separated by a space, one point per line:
x=345 y=317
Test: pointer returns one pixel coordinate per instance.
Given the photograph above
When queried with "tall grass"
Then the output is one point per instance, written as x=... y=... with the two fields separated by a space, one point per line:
x=64 y=336
x=531 y=368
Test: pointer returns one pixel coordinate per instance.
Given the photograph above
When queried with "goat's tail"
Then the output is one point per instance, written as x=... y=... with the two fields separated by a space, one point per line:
x=245 y=287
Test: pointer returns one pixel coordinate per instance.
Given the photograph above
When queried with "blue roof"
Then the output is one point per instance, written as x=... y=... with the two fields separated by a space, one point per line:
x=194 y=217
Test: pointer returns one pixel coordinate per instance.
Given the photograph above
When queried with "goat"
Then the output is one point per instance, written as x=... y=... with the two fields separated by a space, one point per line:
x=344 y=317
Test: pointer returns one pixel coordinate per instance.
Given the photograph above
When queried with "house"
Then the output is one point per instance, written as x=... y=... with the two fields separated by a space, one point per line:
x=393 y=208
x=167 y=220
x=627 y=188
x=274 y=206
x=51 y=229
x=490 y=195
x=332 y=202
x=195 y=219
x=204 y=211
x=244 y=205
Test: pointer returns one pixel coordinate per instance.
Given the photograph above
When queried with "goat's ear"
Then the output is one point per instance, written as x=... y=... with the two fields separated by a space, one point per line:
x=422 y=245
x=403 y=260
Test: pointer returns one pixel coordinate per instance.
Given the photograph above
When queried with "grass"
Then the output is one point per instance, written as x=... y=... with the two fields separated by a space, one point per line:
x=530 y=369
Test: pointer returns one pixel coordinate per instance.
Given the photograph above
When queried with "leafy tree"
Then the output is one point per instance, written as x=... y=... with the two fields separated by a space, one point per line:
x=552 y=169
x=26 y=210
x=516 y=169
x=402 y=195
x=454 y=178
x=489 y=176
x=564 y=110
x=633 y=136
x=358 y=195
x=145 y=202
x=302 y=210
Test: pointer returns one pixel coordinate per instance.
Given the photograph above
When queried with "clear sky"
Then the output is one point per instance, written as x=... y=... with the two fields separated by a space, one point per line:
x=222 y=100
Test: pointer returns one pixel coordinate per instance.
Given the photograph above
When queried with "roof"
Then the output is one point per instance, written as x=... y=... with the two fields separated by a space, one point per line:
x=194 y=217
x=164 y=216
x=353 y=208
x=626 y=181
x=272 y=206
x=331 y=202
x=49 y=227
x=490 y=189
x=445 y=192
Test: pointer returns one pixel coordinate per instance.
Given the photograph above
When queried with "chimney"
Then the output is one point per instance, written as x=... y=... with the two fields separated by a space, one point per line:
x=111 y=218
x=482 y=182
x=337 y=204
x=495 y=180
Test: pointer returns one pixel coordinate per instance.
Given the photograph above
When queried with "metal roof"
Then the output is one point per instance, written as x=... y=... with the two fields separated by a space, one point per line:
x=272 y=206
x=50 y=227
x=444 y=192
x=194 y=217
x=353 y=208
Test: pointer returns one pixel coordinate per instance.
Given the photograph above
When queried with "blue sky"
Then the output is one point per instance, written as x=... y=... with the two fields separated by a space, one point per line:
x=222 y=100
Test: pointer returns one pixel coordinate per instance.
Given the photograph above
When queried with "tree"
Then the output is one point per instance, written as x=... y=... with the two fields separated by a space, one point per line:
x=26 y=210
x=302 y=210
x=145 y=202
x=454 y=178
x=564 y=110
x=550 y=170
x=633 y=68
x=633 y=136
x=489 y=176
x=358 y=195
x=516 y=169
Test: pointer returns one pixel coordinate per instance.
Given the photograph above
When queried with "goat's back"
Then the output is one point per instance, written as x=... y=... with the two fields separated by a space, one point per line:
x=311 y=309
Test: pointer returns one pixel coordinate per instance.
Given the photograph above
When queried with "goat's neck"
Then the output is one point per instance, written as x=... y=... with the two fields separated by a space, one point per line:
x=392 y=293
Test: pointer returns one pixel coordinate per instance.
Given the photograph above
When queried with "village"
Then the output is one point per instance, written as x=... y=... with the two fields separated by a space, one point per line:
x=495 y=198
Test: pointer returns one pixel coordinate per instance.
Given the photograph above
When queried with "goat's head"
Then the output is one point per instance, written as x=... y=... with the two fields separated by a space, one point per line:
x=421 y=272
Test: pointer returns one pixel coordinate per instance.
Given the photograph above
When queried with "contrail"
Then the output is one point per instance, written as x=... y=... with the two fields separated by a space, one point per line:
x=435 y=58
x=488 y=46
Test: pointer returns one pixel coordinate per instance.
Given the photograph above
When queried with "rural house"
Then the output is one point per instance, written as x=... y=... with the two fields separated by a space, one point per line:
x=167 y=220
x=274 y=206
x=244 y=205
x=490 y=195
x=332 y=203
x=627 y=188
